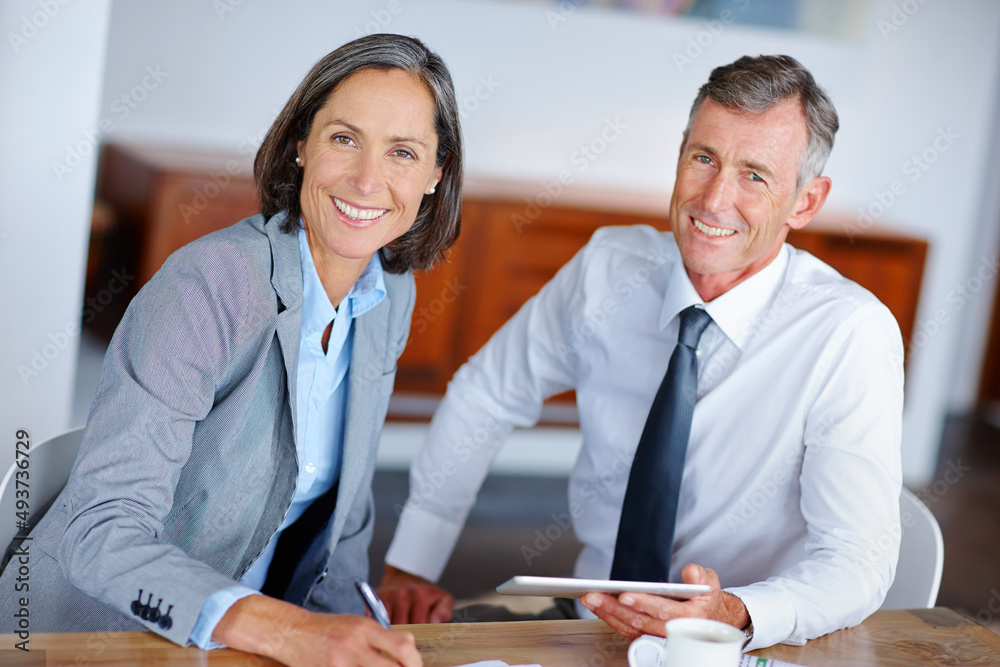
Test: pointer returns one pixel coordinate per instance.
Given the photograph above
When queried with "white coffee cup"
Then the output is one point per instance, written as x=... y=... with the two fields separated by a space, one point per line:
x=690 y=642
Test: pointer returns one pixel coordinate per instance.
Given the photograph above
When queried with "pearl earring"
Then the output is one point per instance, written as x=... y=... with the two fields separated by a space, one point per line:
x=298 y=160
x=432 y=190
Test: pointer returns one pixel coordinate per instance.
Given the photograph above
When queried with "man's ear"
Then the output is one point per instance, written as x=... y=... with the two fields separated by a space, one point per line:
x=808 y=202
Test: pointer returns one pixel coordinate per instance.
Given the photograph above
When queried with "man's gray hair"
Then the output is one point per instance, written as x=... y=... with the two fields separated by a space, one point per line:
x=756 y=84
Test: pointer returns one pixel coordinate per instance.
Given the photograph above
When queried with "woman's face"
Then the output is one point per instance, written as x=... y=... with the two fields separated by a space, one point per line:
x=367 y=163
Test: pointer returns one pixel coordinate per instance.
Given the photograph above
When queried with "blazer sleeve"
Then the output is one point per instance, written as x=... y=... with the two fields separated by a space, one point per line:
x=160 y=377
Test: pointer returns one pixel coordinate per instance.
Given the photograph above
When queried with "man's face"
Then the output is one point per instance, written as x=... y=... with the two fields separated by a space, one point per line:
x=735 y=199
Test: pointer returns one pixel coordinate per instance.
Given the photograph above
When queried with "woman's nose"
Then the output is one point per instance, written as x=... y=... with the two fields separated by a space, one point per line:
x=366 y=174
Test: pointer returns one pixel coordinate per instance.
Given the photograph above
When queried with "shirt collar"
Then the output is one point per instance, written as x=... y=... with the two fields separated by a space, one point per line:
x=317 y=311
x=735 y=311
x=369 y=289
x=680 y=292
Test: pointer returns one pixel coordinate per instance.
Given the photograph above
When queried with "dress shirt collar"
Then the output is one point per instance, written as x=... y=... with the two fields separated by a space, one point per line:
x=369 y=289
x=735 y=311
x=317 y=312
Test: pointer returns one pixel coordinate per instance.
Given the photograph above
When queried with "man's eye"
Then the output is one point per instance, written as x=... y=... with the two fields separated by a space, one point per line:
x=755 y=177
x=704 y=159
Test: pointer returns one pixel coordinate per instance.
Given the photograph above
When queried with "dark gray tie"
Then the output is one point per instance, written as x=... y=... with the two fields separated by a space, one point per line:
x=646 y=530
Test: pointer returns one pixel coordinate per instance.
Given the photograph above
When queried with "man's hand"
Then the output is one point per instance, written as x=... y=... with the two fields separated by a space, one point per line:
x=634 y=614
x=293 y=636
x=413 y=599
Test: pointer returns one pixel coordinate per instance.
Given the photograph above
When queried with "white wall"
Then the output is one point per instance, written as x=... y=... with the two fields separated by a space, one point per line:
x=975 y=326
x=939 y=72
x=51 y=71
x=536 y=88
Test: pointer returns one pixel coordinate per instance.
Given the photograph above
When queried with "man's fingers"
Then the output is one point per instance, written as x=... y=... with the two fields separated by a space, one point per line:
x=657 y=606
x=430 y=604
x=631 y=614
x=692 y=573
x=441 y=611
x=397 y=603
x=696 y=574
x=413 y=604
x=413 y=600
x=620 y=626
x=424 y=602
x=628 y=621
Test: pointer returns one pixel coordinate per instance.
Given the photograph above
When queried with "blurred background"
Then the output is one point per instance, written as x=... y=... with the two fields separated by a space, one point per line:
x=129 y=128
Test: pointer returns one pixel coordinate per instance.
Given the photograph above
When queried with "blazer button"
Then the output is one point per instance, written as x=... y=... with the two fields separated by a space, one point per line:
x=165 y=621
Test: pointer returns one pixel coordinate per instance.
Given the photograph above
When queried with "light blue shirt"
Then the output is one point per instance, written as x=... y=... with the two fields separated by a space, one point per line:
x=321 y=403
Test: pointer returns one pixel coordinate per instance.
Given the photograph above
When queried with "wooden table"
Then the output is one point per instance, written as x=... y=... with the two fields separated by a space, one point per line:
x=903 y=638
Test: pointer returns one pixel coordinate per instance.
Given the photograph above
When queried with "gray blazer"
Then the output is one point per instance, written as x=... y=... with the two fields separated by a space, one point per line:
x=188 y=464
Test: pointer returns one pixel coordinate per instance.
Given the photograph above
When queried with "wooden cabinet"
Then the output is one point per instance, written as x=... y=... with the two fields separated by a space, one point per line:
x=509 y=247
x=167 y=198
x=503 y=258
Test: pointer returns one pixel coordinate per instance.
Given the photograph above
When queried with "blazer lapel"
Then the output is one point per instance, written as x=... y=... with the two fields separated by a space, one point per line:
x=286 y=278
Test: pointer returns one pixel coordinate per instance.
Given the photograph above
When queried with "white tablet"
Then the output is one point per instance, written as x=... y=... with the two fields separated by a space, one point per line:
x=568 y=587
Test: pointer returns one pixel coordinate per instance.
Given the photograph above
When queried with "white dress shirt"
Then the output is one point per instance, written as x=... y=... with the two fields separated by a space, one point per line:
x=791 y=486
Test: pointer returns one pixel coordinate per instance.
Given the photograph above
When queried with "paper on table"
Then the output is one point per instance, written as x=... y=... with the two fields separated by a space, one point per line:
x=494 y=663
x=754 y=661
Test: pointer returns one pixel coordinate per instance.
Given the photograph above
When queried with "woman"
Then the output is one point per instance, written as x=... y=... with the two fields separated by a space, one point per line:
x=231 y=444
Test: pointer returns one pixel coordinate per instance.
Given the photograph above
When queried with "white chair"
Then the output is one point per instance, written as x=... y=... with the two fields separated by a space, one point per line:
x=921 y=557
x=50 y=463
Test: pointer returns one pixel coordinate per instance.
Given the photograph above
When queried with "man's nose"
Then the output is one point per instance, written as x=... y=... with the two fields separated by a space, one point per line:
x=717 y=194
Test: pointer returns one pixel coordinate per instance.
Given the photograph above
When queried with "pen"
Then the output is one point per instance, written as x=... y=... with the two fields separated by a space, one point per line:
x=374 y=605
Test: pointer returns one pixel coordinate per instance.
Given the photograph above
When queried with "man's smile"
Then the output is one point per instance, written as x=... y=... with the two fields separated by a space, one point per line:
x=711 y=231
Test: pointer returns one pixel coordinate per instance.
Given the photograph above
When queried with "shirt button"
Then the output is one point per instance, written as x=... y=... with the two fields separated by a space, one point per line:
x=310 y=468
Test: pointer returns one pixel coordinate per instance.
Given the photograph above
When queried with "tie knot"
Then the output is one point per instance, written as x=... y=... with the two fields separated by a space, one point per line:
x=694 y=321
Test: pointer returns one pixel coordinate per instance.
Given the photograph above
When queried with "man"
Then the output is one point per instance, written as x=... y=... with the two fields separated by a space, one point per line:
x=788 y=494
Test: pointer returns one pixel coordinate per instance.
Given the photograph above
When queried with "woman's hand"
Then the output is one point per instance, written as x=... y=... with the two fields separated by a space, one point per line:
x=413 y=599
x=300 y=638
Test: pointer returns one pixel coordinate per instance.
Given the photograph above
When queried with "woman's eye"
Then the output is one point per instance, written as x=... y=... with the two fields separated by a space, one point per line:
x=402 y=152
x=342 y=140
